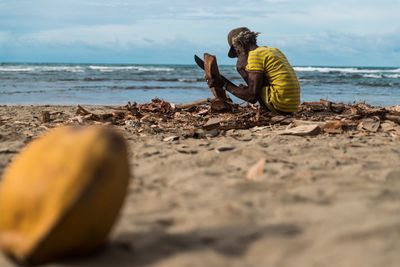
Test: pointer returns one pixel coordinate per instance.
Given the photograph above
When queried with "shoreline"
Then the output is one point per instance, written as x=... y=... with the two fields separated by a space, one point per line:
x=326 y=200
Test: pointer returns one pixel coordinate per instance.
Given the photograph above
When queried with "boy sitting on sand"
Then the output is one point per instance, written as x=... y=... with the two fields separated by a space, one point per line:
x=270 y=78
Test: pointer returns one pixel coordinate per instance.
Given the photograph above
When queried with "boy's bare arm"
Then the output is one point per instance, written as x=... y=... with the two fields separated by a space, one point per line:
x=251 y=92
x=241 y=68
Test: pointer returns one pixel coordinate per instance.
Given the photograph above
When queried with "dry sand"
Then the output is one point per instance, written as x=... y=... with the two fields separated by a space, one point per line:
x=322 y=201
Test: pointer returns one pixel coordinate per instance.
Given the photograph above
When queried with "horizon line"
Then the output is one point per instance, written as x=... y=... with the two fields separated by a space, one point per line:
x=181 y=64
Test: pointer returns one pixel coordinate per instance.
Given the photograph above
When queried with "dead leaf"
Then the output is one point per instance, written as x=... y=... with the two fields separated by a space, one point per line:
x=388 y=126
x=156 y=106
x=369 y=124
x=256 y=170
x=333 y=127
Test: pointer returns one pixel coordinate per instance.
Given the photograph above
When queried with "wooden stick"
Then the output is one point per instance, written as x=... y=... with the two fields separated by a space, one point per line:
x=193 y=104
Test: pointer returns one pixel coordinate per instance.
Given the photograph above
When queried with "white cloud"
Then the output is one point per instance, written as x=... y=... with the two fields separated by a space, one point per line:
x=5 y=37
x=347 y=27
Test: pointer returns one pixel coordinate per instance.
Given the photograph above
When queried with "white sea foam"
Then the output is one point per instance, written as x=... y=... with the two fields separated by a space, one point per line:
x=393 y=76
x=375 y=76
x=344 y=70
x=137 y=68
x=394 y=71
x=30 y=68
x=64 y=68
x=187 y=80
x=15 y=69
x=380 y=76
x=60 y=68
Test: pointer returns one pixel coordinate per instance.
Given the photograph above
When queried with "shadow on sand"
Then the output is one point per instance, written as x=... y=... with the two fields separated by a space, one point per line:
x=140 y=249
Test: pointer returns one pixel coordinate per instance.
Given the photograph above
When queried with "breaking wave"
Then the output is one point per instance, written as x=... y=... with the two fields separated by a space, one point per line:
x=381 y=76
x=41 y=68
x=344 y=70
x=128 y=68
x=33 y=68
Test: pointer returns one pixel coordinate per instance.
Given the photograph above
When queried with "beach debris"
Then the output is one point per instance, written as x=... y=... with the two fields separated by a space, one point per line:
x=150 y=152
x=211 y=133
x=394 y=108
x=60 y=209
x=195 y=104
x=221 y=105
x=8 y=151
x=45 y=116
x=256 y=170
x=389 y=126
x=186 y=149
x=224 y=148
x=5 y=118
x=369 y=124
x=198 y=120
x=21 y=123
x=303 y=130
x=394 y=118
x=171 y=138
x=156 y=105
x=296 y=123
x=333 y=127
x=212 y=123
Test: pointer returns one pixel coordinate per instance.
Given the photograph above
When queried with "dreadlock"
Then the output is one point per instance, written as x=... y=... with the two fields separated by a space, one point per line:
x=246 y=38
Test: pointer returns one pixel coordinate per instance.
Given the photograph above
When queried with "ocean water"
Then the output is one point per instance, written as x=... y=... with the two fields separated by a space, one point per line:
x=118 y=84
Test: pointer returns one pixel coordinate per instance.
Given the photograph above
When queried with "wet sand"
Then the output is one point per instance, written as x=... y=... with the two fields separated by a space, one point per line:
x=328 y=200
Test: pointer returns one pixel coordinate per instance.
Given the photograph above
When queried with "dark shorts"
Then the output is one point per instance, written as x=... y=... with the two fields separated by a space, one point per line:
x=284 y=113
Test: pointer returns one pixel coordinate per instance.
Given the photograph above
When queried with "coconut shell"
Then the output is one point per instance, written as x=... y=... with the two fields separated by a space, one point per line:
x=211 y=72
x=61 y=195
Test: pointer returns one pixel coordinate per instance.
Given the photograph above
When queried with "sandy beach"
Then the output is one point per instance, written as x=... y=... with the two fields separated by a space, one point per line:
x=324 y=200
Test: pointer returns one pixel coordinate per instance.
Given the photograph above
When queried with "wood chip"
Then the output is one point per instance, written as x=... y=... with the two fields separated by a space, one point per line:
x=369 y=124
x=304 y=130
x=184 y=149
x=45 y=116
x=171 y=138
x=212 y=133
x=256 y=170
x=8 y=151
x=388 y=126
x=303 y=122
x=212 y=123
x=224 y=148
x=333 y=127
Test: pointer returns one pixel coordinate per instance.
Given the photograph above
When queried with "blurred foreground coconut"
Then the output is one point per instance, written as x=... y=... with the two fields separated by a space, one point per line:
x=62 y=194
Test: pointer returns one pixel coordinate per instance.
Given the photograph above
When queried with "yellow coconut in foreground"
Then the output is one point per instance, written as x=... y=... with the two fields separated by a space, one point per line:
x=62 y=194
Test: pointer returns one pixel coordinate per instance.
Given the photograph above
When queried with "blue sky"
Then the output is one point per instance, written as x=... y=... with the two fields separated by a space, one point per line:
x=310 y=32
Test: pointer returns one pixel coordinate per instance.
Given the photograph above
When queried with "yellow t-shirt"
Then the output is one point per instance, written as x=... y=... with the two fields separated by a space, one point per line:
x=284 y=89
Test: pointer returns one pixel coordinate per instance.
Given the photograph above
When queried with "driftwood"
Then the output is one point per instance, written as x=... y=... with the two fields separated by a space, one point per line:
x=193 y=104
